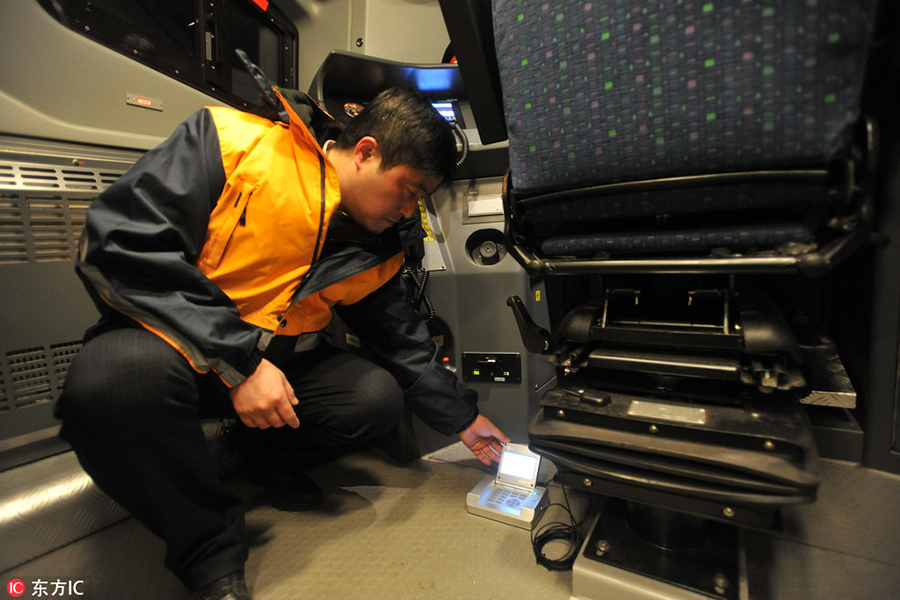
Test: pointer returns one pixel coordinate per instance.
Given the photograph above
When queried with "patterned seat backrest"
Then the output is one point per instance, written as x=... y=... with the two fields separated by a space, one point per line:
x=603 y=91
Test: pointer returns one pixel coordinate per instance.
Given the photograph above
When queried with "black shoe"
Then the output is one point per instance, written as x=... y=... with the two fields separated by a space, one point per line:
x=230 y=587
x=294 y=493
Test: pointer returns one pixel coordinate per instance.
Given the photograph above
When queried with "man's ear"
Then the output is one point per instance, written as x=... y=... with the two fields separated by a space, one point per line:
x=366 y=149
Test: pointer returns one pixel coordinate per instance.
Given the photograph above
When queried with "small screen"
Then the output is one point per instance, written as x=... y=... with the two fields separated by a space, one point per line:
x=446 y=109
x=518 y=465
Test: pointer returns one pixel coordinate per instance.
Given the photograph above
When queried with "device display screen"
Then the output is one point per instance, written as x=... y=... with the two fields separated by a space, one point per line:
x=518 y=465
x=446 y=109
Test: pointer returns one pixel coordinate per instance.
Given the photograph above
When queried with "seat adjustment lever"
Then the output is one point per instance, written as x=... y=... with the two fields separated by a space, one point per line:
x=535 y=338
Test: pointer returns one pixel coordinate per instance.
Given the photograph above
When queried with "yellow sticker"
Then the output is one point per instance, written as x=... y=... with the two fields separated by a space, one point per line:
x=423 y=213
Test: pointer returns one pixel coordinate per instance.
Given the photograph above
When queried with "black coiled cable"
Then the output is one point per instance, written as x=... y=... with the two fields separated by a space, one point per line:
x=464 y=151
x=419 y=280
x=557 y=531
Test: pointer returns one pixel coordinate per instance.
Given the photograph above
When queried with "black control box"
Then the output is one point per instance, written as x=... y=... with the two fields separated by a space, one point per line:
x=494 y=367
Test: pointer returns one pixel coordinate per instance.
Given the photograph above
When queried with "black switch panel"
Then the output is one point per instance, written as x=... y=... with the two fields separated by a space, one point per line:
x=495 y=367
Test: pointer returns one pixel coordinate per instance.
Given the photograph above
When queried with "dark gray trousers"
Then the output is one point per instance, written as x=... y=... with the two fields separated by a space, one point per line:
x=132 y=409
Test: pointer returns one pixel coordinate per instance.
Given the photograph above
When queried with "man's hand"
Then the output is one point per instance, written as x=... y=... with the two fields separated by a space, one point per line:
x=484 y=439
x=265 y=399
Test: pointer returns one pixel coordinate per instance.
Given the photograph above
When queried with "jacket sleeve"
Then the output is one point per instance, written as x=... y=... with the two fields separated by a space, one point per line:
x=140 y=243
x=397 y=334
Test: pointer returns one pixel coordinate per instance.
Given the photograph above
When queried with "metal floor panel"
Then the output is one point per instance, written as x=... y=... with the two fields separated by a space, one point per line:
x=384 y=532
x=48 y=504
x=846 y=545
x=404 y=533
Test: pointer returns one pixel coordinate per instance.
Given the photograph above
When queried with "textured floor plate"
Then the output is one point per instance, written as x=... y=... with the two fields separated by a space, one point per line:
x=393 y=533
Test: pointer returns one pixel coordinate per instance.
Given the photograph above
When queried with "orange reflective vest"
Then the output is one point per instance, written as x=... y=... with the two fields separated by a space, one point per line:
x=263 y=233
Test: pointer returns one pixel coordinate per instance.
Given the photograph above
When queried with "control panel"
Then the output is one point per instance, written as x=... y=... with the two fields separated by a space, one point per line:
x=496 y=367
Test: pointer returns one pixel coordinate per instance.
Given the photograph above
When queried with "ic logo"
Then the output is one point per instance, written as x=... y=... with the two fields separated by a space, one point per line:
x=15 y=587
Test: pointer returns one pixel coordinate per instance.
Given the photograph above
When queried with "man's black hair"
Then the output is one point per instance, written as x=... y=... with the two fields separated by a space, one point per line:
x=409 y=132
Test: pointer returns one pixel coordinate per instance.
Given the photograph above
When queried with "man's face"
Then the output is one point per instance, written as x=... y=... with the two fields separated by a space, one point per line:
x=381 y=197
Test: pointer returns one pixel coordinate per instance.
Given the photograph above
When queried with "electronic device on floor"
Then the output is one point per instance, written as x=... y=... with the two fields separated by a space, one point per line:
x=512 y=496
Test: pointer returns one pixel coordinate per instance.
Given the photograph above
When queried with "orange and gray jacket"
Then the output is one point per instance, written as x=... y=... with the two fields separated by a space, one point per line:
x=229 y=233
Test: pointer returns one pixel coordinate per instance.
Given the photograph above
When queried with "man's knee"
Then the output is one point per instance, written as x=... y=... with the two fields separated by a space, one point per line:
x=381 y=396
x=369 y=405
x=118 y=377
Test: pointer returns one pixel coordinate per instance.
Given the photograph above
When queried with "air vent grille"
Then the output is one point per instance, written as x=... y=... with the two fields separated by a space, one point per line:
x=35 y=375
x=13 y=245
x=62 y=356
x=29 y=376
x=38 y=177
x=4 y=395
x=40 y=228
x=43 y=206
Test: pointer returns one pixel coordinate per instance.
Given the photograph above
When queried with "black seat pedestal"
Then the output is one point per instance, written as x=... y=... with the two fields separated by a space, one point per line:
x=685 y=551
